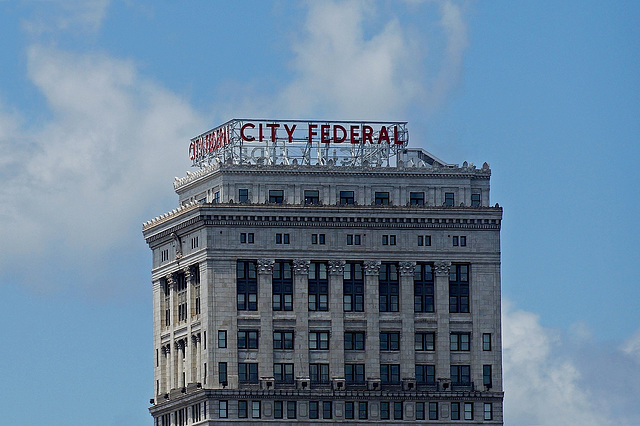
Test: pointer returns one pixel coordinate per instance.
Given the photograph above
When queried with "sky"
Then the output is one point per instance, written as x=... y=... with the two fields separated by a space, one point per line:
x=98 y=101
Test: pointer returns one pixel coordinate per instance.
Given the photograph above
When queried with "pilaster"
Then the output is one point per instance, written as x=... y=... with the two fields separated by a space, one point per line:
x=407 y=349
x=443 y=356
x=301 y=308
x=336 y=275
x=372 y=309
x=265 y=307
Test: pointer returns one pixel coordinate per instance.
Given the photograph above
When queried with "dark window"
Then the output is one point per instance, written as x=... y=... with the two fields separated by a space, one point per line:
x=463 y=241
x=319 y=373
x=475 y=200
x=318 y=340
x=486 y=376
x=419 y=410
x=248 y=339
x=318 y=238
x=468 y=410
x=460 y=374
x=243 y=195
x=488 y=411
x=363 y=410
x=216 y=197
x=433 y=411
x=388 y=240
x=247 y=372
x=389 y=341
x=282 y=238
x=416 y=198
x=382 y=198
x=346 y=197
x=353 y=239
x=353 y=287
x=348 y=410
x=247 y=282
x=242 y=409
x=459 y=288
x=425 y=341
x=282 y=282
x=222 y=339
x=354 y=340
x=181 y=289
x=277 y=409
x=455 y=411
x=313 y=410
x=390 y=373
x=276 y=196
x=384 y=410
x=196 y=287
x=223 y=409
x=397 y=410
x=486 y=341
x=455 y=241
x=246 y=238
x=321 y=238
x=318 y=287
x=291 y=409
x=222 y=373
x=354 y=373
x=255 y=409
x=389 y=288
x=449 y=199
x=283 y=340
x=327 y=411
x=460 y=341
x=423 y=288
x=425 y=374
x=311 y=197
x=424 y=240
x=283 y=373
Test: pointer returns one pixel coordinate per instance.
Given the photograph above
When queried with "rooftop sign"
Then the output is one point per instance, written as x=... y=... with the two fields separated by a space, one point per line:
x=247 y=141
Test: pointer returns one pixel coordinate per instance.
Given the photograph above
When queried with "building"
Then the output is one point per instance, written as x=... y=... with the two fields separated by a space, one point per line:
x=325 y=272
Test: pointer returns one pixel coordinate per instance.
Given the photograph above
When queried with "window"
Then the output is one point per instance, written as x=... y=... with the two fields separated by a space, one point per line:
x=363 y=410
x=468 y=410
x=455 y=411
x=247 y=283
x=313 y=410
x=348 y=410
x=222 y=373
x=282 y=238
x=318 y=340
x=327 y=411
x=291 y=409
x=419 y=410
x=459 y=288
x=346 y=197
x=382 y=199
x=397 y=410
x=242 y=409
x=423 y=288
x=354 y=239
x=475 y=200
x=194 y=242
x=277 y=409
x=164 y=255
x=388 y=240
x=276 y=196
x=243 y=195
x=389 y=288
x=216 y=197
x=247 y=372
x=195 y=411
x=486 y=376
x=486 y=341
x=353 y=287
x=455 y=241
x=319 y=373
x=282 y=283
x=318 y=238
x=283 y=373
x=433 y=411
x=195 y=273
x=416 y=198
x=390 y=373
x=166 y=289
x=354 y=340
x=449 y=199
x=283 y=340
x=311 y=197
x=460 y=375
x=488 y=411
x=462 y=240
x=246 y=238
x=425 y=341
x=223 y=411
x=247 y=339
x=459 y=341
x=384 y=410
x=424 y=240
x=425 y=374
x=354 y=373
x=181 y=288
x=318 y=287
x=255 y=409
x=390 y=341
x=222 y=339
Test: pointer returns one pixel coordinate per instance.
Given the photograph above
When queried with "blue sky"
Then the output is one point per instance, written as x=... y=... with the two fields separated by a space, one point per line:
x=98 y=100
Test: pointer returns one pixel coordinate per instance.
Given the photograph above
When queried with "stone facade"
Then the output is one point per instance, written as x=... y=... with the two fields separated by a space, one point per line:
x=315 y=294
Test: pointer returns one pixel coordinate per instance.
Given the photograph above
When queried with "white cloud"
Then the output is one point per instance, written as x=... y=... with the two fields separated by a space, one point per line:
x=85 y=16
x=77 y=183
x=631 y=346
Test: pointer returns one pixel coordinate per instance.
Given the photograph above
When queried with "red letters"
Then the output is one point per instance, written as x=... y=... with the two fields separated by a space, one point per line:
x=245 y=137
x=273 y=127
x=312 y=133
x=353 y=133
x=290 y=131
x=335 y=134
x=367 y=134
x=324 y=133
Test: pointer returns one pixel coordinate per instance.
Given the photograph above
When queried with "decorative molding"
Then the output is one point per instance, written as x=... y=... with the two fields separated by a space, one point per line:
x=301 y=266
x=372 y=267
x=171 y=281
x=265 y=266
x=336 y=267
x=441 y=268
x=407 y=268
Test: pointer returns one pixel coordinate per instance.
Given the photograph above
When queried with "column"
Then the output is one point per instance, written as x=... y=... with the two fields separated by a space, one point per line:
x=171 y=283
x=372 y=309
x=443 y=358
x=407 y=348
x=301 y=308
x=188 y=361
x=336 y=363
x=265 y=346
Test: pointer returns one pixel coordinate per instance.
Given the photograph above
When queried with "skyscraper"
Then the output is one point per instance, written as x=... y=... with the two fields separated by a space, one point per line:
x=326 y=272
